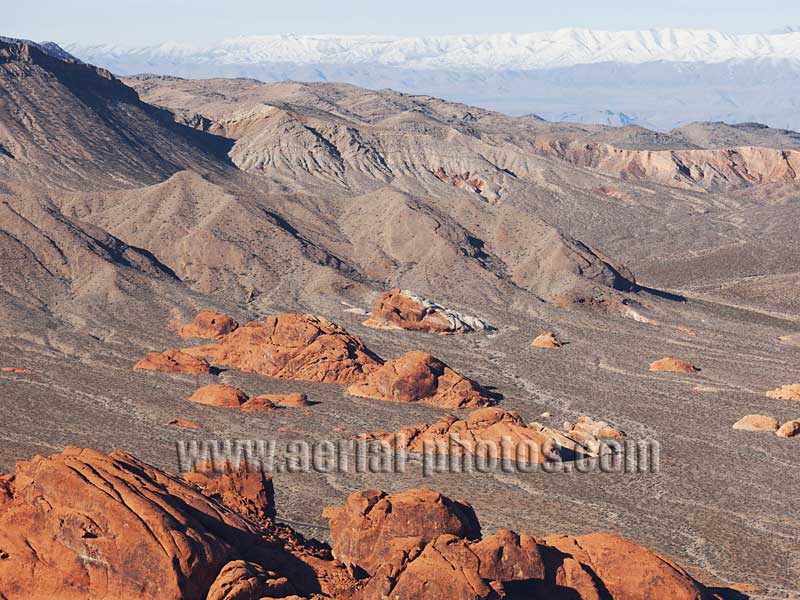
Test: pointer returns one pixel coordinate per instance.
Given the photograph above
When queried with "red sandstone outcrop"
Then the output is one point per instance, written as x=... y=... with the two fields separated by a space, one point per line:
x=786 y=392
x=586 y=429
x=366 y=528
x=402 y=309
x=488 y=432
x=185 y=423
x=228 y=396
x=293 y=346
x=209 y=325
x=16 y=370
x=419 y=377
x=242 y=580
x=248 y=491
x=789 y=429
x=259 y=404
x=757 y=423
x=548 y=339
x=495 y=433
x=173 y=361
x=219 y=394
x=85 y=525
x=673 y=365
x=438 y=555
x=619 y=568
x=290 y=400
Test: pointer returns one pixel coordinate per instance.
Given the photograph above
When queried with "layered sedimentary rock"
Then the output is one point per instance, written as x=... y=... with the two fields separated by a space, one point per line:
x=786 y=392
x=293 y=346
x=209 y=325
x=673 y=365
x=402 y=309
x=439 y=554
x=174 y=361
x=419 y=377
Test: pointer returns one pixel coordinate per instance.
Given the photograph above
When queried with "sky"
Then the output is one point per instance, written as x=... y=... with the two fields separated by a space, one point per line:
x=143 y=22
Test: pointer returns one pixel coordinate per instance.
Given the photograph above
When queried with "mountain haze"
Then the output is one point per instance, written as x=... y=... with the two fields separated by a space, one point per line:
x=657 y=78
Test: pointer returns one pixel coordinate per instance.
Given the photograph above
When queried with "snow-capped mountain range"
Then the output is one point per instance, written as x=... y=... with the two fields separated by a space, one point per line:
x=659 y=78
x=547 y=50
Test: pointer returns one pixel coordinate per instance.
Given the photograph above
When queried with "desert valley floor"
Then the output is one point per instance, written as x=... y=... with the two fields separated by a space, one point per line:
x=128 y=206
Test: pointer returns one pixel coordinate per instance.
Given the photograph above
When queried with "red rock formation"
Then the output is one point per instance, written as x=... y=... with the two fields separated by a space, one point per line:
x=757 y=423
x=292 y=399
x=259 y=404
x=16 y=370
x=419 y=377
x=365 y=529
x=173 y=361
x=247 y=491
x=465 y=180
x=789 y=429
x=400 y=309
x=293 y=346
x=619 y=568
x=495 y=433
x=84 y=525
x=423 y=556
x=787 y=392
x=547 y=340
x=673 y=365
x=487 y=432
x=209 y=325
x=242 y=580
x=219 y=394
x=587 y=429
x=184 y=423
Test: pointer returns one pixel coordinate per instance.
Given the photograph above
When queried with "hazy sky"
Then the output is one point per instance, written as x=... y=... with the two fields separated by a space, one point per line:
x=136 y=22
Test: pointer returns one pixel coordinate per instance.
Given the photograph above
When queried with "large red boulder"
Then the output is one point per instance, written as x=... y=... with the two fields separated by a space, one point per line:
x=209 y=325
x=293 y=346
x=420 y=377
x=623 y=569
x=173 y=361
x=364 y=529
x=219 y=394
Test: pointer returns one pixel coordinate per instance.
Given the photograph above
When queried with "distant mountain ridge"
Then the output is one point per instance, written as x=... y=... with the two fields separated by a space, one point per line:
x=529 y=51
